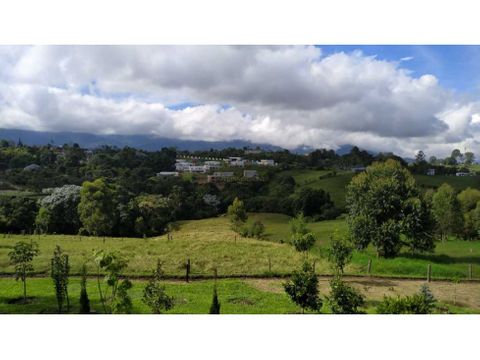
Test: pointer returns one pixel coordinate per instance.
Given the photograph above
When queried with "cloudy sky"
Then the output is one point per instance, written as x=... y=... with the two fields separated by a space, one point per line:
x=383 y=98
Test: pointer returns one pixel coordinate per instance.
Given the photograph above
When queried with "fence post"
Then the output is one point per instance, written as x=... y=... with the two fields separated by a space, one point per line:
x=429 y=272
x=470 y=271
x=270 y=264
x=187 y=272
x=235 y=239
x=369 y=266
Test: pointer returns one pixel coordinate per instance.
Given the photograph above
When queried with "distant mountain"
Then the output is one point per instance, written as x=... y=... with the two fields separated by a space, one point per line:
x=145 y=142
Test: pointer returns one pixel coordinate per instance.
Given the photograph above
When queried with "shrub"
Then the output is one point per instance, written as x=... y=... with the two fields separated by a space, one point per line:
x=422 y=302
x=303 y=288
x=84 y=301
x=344 y=299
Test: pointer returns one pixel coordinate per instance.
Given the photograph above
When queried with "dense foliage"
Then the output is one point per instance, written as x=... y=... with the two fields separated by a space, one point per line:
x=303 y=288
x=385 y=208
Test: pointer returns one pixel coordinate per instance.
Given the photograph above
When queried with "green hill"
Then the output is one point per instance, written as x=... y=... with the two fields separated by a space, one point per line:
x=336 y=185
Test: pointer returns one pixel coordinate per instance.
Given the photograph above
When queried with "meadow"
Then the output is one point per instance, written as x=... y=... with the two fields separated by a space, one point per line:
x=210 y=244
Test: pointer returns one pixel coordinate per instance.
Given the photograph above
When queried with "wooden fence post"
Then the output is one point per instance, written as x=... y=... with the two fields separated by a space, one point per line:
x=429 y=272
x=269 y=265
x=369 y=266
x=187 y=271
x=470 y=271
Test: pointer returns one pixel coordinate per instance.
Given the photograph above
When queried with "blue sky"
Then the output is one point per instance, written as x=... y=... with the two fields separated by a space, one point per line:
x=456 y=66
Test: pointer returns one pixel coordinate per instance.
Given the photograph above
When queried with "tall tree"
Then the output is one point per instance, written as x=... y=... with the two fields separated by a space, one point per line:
x=380 y=209
x=419 y=157
x=21 y=258
x=447 y=211
x=238 y=214
x=469 y=158
x=96 y=207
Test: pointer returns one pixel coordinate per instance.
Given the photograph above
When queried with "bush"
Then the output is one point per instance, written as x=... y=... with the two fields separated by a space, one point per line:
x=303 y=288
x=422 y=302
x=344 y=299
x=84 y=301
x=256 y=230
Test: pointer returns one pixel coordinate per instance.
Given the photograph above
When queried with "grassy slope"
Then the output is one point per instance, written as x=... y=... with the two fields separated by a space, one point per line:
x=209 y=243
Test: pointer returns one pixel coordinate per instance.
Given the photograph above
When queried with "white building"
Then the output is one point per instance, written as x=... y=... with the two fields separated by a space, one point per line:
x=213 y=164
x=462 y=174
x=236 y=161
x=182 y=165
x=266 y=162
x=431 y=172
x=198 y=168
x=168 y=173
x=250 y=173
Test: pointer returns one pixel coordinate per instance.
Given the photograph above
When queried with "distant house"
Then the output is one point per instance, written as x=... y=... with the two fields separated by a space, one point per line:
x=198 y=168
x=32 y=167
x=358 y=169
x=250 y=173
x=462 y=174
x=220 y=176
x=431 y=172
x=182 y=165
x=213 y=164
x=252 y=151
x=236 y=161
x=168 y=173
x=266 y=162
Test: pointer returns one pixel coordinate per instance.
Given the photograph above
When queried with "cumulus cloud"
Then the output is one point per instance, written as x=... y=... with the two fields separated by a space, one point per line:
x=287 y=96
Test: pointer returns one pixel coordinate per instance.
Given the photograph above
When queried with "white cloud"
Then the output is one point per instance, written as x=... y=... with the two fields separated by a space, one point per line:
x=287 y=96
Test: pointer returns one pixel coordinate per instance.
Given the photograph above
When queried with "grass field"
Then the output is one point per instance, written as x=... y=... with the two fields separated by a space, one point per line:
x=210 y=243
x=249 y=296
x=207 y=243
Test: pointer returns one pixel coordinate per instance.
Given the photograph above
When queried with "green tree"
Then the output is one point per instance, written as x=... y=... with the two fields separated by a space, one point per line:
x=456 y=153
x=122 y=303
x=113 y=295
x=469 y=158
x=343 y=298
x=59 y=273
x=238 y=214
x=469 y=198
x=380 y=211
x=155 y=295
x=155 y=212
x=447 y=212
x=420 y=157
x=303 y=288
x=96 y=207
x=21 y=258
x=84 y=300
x=340 y=252
x=215 y=306
x=302 y=238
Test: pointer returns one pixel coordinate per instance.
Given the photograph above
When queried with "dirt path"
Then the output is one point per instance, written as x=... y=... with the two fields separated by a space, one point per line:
x=464 y=294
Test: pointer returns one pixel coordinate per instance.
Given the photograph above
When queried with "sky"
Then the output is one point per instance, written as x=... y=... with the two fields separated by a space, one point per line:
x=381 y=98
